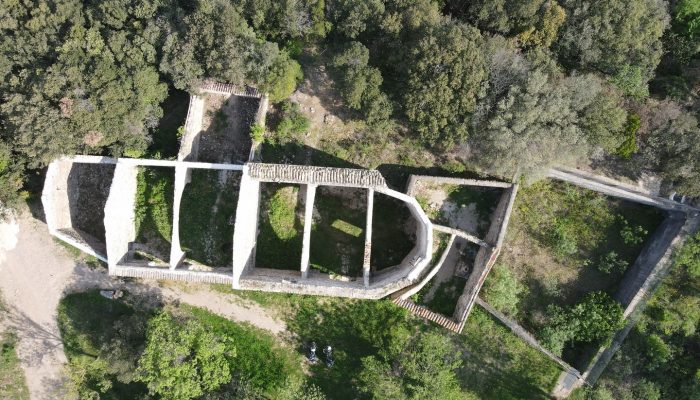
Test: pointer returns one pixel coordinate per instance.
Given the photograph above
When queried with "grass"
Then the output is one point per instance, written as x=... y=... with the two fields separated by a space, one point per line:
x=154 y=208
x=89 y=323
x=499 y=365
x=496 y=364
x=558 y=236
x=337 y=237
x=207 y=215
x=12 y=384
x=390 y=241
x=281 y=229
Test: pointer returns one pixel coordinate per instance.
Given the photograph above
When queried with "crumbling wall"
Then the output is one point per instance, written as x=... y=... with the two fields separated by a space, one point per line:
x=189 y=143
x=443 y=180
x=486 y=256
x=182 y=177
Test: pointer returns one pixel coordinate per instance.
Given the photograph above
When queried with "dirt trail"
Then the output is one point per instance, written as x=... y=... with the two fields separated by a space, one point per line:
x=37 y=273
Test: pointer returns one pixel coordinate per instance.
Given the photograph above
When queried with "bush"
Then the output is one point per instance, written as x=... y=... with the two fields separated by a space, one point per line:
x=632 y=235
x=502 y=289
x=292 y=122
x=611 y=263
x=689 y=256
x=257 y=133
x=629 y=144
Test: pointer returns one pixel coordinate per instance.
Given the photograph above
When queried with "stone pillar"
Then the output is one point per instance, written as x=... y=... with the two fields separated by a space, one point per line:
x=181 y=180
x=368 y=238
x=308 y=221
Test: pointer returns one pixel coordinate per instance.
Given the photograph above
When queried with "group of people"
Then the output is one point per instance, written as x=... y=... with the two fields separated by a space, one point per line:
x=327 y=352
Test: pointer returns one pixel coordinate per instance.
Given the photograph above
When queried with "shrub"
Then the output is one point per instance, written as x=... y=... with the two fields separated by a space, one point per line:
x=502 y=289
x=611 y=263
x=257 y=133
x=292 y=122
x=689 y=256
x=632 y=235
x=629 y=144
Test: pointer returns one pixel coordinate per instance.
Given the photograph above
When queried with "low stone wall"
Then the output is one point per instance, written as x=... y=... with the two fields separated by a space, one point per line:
x=443 y=180
x=169 y=274
x=304 y=174
x=229 y=88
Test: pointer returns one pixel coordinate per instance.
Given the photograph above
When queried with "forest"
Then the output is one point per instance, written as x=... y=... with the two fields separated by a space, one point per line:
x=504 y=87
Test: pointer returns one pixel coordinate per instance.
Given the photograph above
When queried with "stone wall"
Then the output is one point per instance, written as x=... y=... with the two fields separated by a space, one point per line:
x=486 y=256
x=246 y=227
x=443 y=180
x=120 y=230
x=303 y=174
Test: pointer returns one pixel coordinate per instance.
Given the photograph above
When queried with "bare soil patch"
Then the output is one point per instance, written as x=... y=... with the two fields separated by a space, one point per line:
x=225 y=136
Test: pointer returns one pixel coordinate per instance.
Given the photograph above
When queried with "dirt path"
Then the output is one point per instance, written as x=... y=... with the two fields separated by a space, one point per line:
x=37 y=273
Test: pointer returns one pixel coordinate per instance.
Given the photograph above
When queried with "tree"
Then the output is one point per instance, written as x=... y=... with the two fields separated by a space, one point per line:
x=507 y=17
x=215 y=41
x=353 y=17
x=540 y=121
x=360 y=84
x=607 y=36
x=670 y=146
x=444 y=76
x=425 y=369
x=689 y=256
x=183 y=360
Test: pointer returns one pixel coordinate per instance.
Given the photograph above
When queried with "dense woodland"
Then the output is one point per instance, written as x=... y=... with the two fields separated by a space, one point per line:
x=506 y=87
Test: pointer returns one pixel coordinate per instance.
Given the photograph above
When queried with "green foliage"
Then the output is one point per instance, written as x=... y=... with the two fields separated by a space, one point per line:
x=595 y=318
x=613 y=35
x=612 y=264
x=502 y=290
x=282 y=216
x=629 y=144
x=688 y=256
x=507 y=17
x=425 y=369
x=153 y=209
x=360 y=84
x=632 y=81
x=280 y=234
x=292 y=123
x=257 y=133
x=12 y=383
x=88 y=377
x=671 y=146
x=443 y=82
x=632 y=235
x=444 y=301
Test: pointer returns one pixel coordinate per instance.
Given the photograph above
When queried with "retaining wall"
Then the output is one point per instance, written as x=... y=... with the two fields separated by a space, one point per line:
x=245 y=229
x=443 y=180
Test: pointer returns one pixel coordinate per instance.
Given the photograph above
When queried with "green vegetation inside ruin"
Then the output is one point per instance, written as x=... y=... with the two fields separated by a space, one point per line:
x=166 y=137
x=445 y=298
x=207 y=216
x=153 y=209
x=393 y=234
x=563 y=244
x=659 y=358
x=337 y=235
x=104 y=341
x=280 y=227
x=12 y=384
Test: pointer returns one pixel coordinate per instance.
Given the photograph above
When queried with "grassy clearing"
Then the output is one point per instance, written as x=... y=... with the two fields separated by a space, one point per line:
x=499 y=365
x=337 y=236
x=96 y=330
x=12 y=384
x=496 y=364
x=154 y=208
x=564 y=242
x=391 y=223
x=208 y=213
x=281 y=227
x=166 y=138
x=445 y=298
